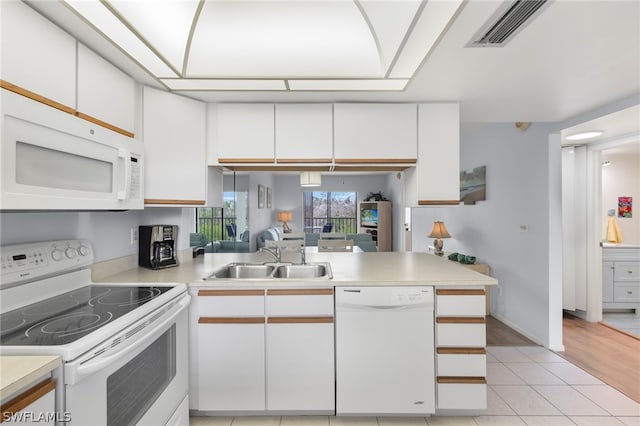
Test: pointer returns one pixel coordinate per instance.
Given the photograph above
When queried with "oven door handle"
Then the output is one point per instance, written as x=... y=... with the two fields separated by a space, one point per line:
x=98 y=363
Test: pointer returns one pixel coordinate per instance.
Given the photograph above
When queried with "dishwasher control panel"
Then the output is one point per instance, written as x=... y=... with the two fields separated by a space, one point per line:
x=411 y=295
x=383 y=296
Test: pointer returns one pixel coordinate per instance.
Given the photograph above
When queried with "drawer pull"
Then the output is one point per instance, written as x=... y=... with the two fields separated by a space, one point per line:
x=300 y=292
x=461 y=351
x=460 y=320
x=462 y=380
x=230 y=292
x=459 y=292
x=300 y=320
x=26 y=398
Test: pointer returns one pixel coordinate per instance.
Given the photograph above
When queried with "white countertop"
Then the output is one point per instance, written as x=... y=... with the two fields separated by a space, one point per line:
x=17 y=372
x=620 y=245
x=368 y=268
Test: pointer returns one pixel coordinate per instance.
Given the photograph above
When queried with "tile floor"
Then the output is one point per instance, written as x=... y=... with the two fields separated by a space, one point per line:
x=527 y=385
x=626 y=321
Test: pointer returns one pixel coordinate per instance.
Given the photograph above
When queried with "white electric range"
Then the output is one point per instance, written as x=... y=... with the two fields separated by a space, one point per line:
x=123 y=346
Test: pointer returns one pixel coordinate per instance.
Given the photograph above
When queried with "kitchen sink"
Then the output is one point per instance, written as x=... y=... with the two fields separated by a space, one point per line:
x=269 y=271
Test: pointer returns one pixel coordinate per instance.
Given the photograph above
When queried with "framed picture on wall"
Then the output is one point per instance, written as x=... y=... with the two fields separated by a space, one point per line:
x=268 y=197
x=261 y=195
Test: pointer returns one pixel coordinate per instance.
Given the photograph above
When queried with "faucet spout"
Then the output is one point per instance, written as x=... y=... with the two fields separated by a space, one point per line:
x=303 y=255
x=275 y=252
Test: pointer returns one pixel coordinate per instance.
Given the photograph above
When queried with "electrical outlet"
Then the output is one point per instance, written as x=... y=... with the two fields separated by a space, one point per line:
x=134 y=236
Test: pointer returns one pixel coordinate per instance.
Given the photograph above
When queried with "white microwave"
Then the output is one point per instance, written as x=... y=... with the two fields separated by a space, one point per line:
x=52 y=160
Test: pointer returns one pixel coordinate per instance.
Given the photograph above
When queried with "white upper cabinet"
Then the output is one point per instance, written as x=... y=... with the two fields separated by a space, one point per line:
x=105 y=93
x=174 y=139
x=245 y=133
x=304 y=133
x=379 y=133
x=37 y=56
x=438 y=170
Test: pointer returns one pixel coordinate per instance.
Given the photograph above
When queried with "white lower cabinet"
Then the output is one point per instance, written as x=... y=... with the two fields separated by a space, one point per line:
x=260 y=354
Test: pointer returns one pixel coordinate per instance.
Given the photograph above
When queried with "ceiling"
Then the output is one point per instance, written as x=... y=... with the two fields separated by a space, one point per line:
x=570 y=58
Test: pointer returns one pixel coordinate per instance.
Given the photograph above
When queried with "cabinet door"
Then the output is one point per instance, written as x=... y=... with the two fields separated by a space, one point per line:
x=607 y=281
x=300 y=364
x=174 y=138
x=105 y=93
x=245 y=133
x=438 y=170
x=385 y=133
x=231 y=364
x=304 y=133
x=38 y=56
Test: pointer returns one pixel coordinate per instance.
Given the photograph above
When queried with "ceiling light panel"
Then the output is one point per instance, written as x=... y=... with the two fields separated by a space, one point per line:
x=390 y=21
x=223 y=84
x=349 y=85
x=432 y=22
x=164 y=24
x=295 y=39
x=113 y=29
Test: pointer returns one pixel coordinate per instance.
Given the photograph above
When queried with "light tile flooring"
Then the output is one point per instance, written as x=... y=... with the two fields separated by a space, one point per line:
x=626 y=321
x=527 y=385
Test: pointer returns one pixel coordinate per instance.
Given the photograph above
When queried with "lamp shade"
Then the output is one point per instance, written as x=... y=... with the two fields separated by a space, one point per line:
x=439 y=230
x=284 y=216
x=308 y=179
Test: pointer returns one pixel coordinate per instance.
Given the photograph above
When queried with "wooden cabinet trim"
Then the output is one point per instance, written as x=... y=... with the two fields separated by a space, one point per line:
x=460 y=292
x=300 y=292
x=438 y=202
x=104 y=124
x=461 y=351
x=460 y=320
x=462 y=380
x=376 y=161
x=246 y=160
x=230 y=292
x=177 y=202
x=300 y=320
x=34 y=96
x=27 y=398
x=231 y=320
x=304 y=160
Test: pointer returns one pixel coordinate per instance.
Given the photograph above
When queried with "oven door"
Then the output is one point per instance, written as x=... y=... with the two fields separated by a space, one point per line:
x=136 y=380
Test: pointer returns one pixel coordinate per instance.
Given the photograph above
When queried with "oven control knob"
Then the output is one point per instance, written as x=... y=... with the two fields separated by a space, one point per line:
x=70 y=252
x=84 y=250
x=57 y=255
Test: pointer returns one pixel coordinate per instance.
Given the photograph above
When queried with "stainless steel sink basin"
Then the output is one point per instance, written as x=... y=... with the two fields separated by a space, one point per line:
x=243 y=271
x=315 y=270
x=270 y=271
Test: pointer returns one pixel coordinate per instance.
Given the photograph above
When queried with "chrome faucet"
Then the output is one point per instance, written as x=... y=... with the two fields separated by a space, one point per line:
x=303 y=255
x=275 y=252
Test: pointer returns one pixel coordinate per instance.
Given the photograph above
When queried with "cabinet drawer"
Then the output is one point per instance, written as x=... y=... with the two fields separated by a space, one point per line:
x=301 y=302
x=460 y=302
x=626 y=293
x=462 y=396
x=460 y=334
x=627 y=271
x=461 y=364
x=230 y=302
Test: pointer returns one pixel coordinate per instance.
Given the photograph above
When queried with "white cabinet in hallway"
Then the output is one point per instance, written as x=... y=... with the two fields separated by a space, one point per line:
x=621 y=277
x=175 y=149
x=105 y=93
x=37 y=56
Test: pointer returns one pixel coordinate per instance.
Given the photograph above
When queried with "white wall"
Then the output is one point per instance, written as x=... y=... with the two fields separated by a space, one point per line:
x=517 y=194
x=259 y=219
x=109 y=232
x=622 y=179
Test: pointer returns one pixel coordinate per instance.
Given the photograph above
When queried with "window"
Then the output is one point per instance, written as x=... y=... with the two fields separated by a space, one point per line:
x=217 y=223
x=337 y=210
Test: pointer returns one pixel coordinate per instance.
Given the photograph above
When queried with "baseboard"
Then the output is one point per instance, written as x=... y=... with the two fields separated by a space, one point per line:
x=505 y=321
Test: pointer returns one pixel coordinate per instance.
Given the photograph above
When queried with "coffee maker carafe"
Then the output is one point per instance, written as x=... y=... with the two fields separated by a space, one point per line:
x=157 y=246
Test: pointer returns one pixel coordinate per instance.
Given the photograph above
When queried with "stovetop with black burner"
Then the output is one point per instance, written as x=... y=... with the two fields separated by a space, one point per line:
x=70 y=316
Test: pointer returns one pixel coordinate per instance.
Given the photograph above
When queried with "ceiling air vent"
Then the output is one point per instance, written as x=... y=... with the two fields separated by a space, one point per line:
x=507 y=21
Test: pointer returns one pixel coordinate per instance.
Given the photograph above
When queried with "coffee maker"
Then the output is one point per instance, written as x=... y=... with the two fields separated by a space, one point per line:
x=157 y=246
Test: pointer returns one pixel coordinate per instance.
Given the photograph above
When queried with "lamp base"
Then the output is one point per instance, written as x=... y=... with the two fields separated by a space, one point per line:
x=438 y=244
x=285 y=228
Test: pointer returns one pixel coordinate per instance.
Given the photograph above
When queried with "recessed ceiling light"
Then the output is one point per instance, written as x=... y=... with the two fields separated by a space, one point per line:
x=584 y=135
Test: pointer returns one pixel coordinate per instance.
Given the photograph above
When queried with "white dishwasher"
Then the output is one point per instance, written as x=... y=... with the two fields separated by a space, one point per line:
x=384 y=350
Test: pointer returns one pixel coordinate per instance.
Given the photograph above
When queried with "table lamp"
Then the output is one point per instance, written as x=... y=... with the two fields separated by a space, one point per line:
x=439 y=232
x=284 y=217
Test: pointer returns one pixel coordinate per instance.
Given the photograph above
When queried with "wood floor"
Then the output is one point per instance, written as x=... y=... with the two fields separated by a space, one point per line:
x=607 y=354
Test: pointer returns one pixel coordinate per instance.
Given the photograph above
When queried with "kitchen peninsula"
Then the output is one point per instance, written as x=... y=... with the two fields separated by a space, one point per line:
x=269 y=346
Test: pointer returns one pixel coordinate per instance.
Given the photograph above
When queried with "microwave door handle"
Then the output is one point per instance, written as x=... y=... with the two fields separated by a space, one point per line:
x=126 y=156
x=100 y=362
